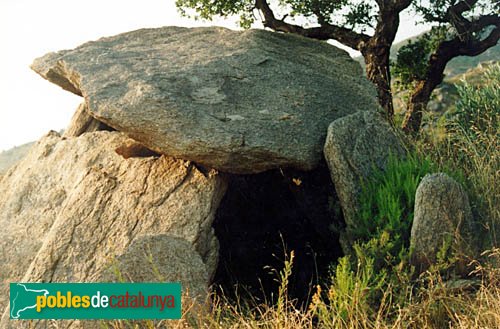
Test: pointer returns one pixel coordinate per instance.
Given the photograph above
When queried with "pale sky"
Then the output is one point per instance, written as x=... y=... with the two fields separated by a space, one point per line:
x=31 y=106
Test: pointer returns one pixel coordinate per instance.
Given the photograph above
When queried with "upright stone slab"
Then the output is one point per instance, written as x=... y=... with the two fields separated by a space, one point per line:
x=355 y=145
x=442 y=220
x=237 y=101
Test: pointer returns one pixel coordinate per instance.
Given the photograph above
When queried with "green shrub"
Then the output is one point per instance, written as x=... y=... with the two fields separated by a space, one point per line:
x=387 y=200
x=349 y=298
x=478 y=108
x=412 y=59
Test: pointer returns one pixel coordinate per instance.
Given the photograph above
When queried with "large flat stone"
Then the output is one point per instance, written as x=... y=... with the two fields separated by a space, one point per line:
x=237 y=101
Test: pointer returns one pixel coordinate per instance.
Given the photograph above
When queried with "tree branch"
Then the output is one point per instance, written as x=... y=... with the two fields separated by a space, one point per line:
x=485 y=21
x=400 y=5
x=388 y=21
x=461 y=7
x=475 y=48
x=465 y=27
x=324 y=32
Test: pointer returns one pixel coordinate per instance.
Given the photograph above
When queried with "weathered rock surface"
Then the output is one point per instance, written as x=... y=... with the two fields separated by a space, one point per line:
x=162 y=258
x=442 y=218
x=237 y=101
x=355 y=145
x=149 y=258
x=74 y=206
x=83 y=122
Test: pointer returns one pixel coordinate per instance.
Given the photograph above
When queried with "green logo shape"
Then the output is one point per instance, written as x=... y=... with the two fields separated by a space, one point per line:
x=95 y=301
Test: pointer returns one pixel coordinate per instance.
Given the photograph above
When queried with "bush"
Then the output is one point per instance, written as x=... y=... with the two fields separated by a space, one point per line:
x=478 y=108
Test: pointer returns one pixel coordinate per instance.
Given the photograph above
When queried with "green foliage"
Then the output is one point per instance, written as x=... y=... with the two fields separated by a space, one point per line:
x=478 y=109
x=387 y=200
x=381 y=249
x=360 y=15
x=412 y=59
x=310 y=7
x=208 y=9
x=378 y=271
x=436 y=10
x=412 y=63
x=351 y=294
x=357 y=15
x=348 y=303
x=284 y=277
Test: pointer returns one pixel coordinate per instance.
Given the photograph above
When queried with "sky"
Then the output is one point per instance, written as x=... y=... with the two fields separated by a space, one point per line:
x=31 y=106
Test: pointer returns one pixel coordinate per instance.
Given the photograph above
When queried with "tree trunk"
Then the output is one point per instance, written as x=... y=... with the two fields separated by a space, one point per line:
x=420 y=98
x=416 y=106
x=377 y=51
x=423 y=90
x=377 y=70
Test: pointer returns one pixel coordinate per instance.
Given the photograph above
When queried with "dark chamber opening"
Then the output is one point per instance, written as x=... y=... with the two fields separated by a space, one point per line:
x=266 y=215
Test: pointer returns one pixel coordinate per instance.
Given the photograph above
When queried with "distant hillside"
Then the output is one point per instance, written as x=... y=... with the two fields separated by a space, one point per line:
x=445 y=96
x=457 y=65
x=458 y=69
x=14 y=155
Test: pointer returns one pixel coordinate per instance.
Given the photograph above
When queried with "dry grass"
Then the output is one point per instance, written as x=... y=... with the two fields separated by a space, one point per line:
x=428 y=303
